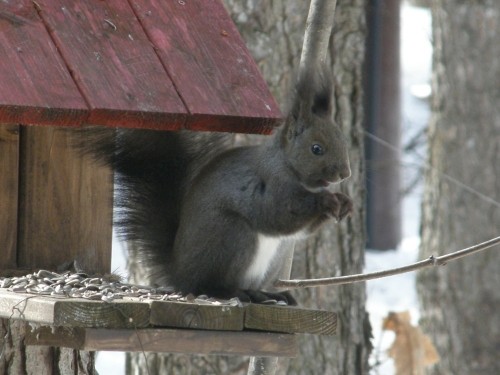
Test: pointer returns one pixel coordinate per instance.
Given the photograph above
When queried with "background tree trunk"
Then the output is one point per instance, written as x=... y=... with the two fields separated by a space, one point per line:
x=383 y=119
x=460 y=302
x=274 y=31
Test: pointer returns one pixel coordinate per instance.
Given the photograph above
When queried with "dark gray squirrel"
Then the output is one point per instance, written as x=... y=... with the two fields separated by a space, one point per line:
x=208 y=218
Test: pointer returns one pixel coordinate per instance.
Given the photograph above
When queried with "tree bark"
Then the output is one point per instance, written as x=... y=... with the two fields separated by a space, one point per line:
x=19 y=359
x=274 y=31
x=339 y=249
x=460 y=302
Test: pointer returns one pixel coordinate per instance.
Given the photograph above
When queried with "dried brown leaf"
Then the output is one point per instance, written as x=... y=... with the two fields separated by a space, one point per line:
x=412 y=350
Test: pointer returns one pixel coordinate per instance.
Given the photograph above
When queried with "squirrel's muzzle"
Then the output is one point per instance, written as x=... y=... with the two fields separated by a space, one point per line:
x=339 y=172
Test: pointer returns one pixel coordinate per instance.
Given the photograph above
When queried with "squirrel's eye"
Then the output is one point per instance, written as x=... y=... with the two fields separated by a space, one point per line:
x=317 y=149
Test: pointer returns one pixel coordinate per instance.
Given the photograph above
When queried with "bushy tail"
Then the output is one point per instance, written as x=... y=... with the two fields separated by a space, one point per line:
x=153 y=170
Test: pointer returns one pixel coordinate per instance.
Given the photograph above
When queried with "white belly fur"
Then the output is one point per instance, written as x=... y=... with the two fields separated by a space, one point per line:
x=267 y=249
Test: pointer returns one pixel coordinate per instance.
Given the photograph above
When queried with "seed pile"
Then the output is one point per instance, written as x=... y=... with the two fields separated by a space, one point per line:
x=80 y=285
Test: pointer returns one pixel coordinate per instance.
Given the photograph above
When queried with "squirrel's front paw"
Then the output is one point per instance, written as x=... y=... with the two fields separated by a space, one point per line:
x=339 y=205
x=346 y=206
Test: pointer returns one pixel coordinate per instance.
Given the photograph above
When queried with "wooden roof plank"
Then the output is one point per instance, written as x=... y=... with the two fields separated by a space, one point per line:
x=114 y=64
x=209 y=64
x=167 y=341
x=36 y=87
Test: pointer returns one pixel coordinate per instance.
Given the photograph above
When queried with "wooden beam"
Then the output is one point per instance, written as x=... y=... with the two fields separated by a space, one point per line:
x=9 y=171
x=132 y=312
x=193 y=315
x=167 y=340
x=290 y=319
x=36 y=87
x=73 y=312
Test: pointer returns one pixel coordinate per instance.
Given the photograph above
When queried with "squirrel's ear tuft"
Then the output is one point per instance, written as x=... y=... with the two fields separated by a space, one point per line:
x=313 y=93
x=318 y=88
x=312 y=98
x=322 y=96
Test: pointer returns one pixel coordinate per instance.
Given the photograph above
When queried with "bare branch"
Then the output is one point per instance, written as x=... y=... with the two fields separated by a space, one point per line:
x=318 y=30
x=431 y=261
x=319 y=26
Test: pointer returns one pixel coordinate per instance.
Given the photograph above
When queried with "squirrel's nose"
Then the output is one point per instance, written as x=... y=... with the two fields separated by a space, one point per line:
x=341 y=171
x=344 y=171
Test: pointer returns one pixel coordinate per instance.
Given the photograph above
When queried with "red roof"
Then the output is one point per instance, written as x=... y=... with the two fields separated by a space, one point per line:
x=138 y=63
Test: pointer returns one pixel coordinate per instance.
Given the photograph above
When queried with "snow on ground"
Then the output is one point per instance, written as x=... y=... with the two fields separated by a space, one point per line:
x=396 y=293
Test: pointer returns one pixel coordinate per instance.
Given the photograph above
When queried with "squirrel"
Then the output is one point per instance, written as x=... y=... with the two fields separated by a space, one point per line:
x=208 y=217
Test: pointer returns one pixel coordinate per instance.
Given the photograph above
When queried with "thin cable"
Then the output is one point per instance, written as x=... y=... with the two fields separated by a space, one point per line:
x=431 y=168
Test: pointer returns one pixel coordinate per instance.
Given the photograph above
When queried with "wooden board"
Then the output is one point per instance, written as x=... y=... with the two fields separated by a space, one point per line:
x=207 y=60
x=168 y=341
x=89 y=314
x=192 y=315
x=73 y=312
x=290 y=319
x=113 y=63
x=9 y=168
x=36 y=87
x=65 y=204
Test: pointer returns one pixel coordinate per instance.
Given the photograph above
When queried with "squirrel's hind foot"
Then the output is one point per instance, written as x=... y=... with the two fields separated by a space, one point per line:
x=261 y=297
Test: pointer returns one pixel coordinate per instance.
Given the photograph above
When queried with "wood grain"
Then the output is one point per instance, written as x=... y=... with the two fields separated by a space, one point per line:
x=290 y=319
x=113 y=63
x=168 y=340
x=73 y=312
x=193 y=315
x=65 y=210
x=209 y=64
x=166 y=66
x=9 y=169
x=35 y=85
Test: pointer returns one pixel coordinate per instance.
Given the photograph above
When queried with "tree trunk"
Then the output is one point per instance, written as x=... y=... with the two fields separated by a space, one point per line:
x=383 y=119
x=274 y=32
x=460 y=302
x=18 y=359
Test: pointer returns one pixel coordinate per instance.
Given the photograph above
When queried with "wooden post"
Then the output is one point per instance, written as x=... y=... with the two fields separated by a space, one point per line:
x=65 y=204
x=56 y=207
x=9 y=167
